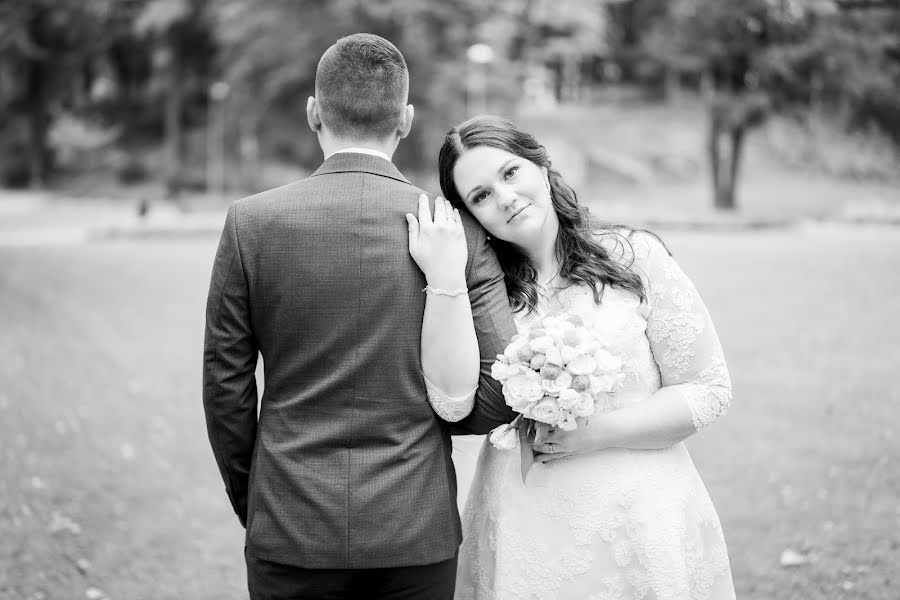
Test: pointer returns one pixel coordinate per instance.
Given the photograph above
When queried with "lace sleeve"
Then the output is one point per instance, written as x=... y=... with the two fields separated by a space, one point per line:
x=449 y=408
x=682 y=337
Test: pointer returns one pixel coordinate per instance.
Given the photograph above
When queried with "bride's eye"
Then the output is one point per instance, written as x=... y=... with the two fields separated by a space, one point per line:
x=510 y=172
x=480 y=196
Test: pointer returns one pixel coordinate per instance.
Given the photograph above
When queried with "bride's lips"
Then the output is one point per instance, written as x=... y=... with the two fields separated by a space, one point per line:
x=516 y=214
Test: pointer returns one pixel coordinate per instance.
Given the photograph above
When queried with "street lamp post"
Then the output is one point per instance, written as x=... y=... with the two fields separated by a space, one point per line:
x=480 y=56
x=215 y=139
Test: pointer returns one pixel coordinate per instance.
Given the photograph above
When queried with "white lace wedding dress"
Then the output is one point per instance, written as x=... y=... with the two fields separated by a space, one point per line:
x=613 y=524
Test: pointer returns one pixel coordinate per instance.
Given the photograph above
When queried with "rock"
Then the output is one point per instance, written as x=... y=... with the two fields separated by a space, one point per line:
x=792 y=558
x=127 y=451
x=83 y=565
x=60 y=522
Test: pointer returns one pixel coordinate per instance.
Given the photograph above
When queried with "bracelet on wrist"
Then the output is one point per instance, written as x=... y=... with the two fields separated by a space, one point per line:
x=442 y=292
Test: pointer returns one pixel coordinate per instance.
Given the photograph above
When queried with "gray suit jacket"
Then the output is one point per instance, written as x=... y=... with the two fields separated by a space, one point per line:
x=346 y=465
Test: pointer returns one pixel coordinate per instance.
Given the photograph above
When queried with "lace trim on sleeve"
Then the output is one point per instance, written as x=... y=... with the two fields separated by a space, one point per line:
x=682 y=337
x=708 y=395
x=449 y=408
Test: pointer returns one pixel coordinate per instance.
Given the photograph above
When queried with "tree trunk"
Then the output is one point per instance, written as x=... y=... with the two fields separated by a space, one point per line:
x=38 y=125
x=736 y=139
x=249 y=147
x=173 y=109
x=727 y=154
x=725 y=146
x=714 y=151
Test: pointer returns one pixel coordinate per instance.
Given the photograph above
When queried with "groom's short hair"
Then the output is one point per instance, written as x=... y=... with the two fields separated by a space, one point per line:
x=362 y=86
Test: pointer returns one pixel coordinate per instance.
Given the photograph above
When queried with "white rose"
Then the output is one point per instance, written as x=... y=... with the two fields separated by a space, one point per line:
x=567 y=422
x=575 y=320
x=567 y=398
x=549 y=371
x=505 y=437
x=553 y=357
x=582 y=365
x=520 y=390
x=572 y=337
x=514 y=350
x=541 y=344
x=537 y=361
x=588 y=346
x=556 y=333
x=584 y=406
x=552 y=387
x=581 y=383
x=568 y=354
x=546 y=411
x=502 y=371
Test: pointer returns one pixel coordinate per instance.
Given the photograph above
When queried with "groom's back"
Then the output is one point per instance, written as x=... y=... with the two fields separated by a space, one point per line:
x=352 y=469
x=347 y=466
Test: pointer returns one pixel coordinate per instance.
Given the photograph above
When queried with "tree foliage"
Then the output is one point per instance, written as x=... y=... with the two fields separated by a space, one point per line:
x=146 y=70
x=756 y=56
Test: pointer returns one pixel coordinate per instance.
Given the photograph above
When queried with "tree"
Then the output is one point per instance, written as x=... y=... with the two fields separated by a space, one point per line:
x=184 y=47
x=45 y=47
x=720 y=41
x=756 y=56
x=269 y=54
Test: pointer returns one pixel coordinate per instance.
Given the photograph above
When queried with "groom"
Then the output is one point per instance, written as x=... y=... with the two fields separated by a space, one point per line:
x=344 y=482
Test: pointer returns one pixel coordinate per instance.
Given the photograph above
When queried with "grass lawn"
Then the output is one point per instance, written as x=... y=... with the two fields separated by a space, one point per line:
x=109 y=483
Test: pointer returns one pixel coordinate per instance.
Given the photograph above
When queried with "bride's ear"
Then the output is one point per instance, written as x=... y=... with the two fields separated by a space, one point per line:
x=546 y=178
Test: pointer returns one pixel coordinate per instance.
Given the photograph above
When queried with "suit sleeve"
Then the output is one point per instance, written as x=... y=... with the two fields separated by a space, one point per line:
x=229 y=365
x=494 y=327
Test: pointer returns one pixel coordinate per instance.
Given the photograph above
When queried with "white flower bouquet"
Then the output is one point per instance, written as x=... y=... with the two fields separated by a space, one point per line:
x=554 y=374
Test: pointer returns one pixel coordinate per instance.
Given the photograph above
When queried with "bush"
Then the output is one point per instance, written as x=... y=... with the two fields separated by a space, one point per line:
x=15 y=173
x=132 y=172
x=818 y=142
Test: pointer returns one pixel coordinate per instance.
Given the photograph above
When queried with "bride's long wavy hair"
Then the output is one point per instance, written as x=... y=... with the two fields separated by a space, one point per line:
x=582 y=259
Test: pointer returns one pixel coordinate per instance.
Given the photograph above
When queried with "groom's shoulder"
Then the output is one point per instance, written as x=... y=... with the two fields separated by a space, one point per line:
x=272 y=196
x=312 y=187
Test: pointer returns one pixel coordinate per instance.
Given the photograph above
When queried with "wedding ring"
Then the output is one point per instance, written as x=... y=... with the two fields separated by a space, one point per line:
x=550 y=445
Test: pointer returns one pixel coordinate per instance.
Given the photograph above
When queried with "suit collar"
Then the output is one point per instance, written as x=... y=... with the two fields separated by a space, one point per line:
x=353 y=162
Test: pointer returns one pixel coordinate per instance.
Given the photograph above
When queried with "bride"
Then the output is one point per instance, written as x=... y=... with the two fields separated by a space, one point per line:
x=614 y=509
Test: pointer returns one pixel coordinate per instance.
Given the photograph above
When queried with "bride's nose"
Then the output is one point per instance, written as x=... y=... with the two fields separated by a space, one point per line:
x=506 y=196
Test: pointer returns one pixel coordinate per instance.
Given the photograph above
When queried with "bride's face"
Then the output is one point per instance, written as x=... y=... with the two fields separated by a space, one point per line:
x=509 y=195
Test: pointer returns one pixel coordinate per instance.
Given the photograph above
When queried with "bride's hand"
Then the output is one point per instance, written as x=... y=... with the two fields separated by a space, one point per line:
x=438 y=245
x=560 y=444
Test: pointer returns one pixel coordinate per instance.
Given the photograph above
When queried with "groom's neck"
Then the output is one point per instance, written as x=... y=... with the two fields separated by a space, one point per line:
x=331 y=144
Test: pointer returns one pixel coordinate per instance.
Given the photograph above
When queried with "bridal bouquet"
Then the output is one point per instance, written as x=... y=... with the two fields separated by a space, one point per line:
x=554 y=374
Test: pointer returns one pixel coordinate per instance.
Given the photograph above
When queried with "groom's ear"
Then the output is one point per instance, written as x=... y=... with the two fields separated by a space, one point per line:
x=312 y=114
x=406 y=121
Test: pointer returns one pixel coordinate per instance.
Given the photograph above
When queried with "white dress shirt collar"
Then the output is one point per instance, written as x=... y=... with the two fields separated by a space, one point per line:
x=362 y=151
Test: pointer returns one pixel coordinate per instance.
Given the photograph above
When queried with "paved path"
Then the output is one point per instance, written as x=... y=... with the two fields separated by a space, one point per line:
x=40 y=219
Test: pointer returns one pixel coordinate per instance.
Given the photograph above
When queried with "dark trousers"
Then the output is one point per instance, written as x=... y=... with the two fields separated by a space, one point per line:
x=273 y=581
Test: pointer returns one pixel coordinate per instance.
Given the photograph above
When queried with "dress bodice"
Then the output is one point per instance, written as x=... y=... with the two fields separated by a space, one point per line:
x=666 y=339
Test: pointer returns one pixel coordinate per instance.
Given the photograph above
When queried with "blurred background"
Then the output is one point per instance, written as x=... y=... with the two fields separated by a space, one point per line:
x=760 y=138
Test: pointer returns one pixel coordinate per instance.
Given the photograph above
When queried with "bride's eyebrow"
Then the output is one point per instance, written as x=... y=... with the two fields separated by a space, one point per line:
x=502 y=168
